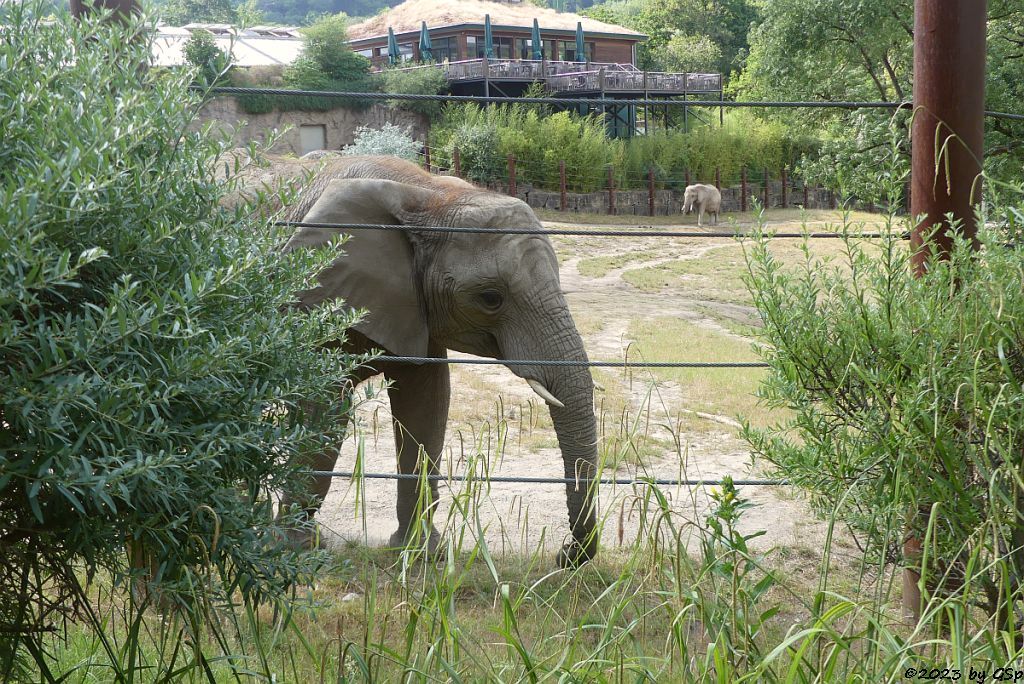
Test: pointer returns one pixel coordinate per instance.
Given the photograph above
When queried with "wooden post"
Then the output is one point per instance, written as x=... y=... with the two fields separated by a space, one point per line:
x=767 y=194
x=832 y=204
x=611 y=190
x=686 y=175
x=650 y=192
x=564 y=199
x=743 y=188
x=426 y=158
x=785 y=188
x=718 y=178
x=457 y=162
x=805 y=195
x=946 y=153
x=512 y=175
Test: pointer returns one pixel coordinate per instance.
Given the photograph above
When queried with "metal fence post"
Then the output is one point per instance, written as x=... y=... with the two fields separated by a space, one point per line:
x=563 y=199
x=743 y=188
x=650 y=192
x=457 y=162
x=512 y=175
x=785 y=188
x=611 y=190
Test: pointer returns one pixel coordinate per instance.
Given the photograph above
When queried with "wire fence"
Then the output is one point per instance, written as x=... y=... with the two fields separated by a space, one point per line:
x=625 y=364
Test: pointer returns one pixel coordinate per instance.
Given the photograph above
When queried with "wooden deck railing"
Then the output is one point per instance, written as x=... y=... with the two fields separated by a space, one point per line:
x=578 y=76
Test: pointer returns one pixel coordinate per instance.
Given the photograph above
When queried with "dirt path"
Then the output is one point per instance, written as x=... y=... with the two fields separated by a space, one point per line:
x=497 y=419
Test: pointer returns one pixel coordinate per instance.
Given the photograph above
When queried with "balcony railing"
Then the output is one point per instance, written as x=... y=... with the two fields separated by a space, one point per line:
x=578 y=76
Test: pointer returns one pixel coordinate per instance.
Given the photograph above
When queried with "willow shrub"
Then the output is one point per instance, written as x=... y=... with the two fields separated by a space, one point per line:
x=540 y=139
x=907 y=403
x=150 y=373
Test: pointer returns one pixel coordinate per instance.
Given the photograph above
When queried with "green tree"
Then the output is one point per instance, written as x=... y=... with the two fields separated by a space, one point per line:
x=151 y=374
x=327 y=63
x=181 y=12
x=201 y=53
x=689 y=54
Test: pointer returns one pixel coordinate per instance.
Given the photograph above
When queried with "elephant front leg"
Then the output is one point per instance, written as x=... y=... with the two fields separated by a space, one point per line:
x=419 y=405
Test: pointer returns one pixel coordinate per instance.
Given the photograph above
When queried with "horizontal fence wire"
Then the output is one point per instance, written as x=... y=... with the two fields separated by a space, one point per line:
x=568 y=364
x=580 y=232
x=701 y=482
x=574 y=101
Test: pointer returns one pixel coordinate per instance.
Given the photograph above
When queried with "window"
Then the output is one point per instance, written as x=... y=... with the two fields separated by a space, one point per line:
x=368 y=52
x=405 y=50
x=503 y=48
x=312 y=137
x=445 y=48
x=567 y=51
x=524 y=48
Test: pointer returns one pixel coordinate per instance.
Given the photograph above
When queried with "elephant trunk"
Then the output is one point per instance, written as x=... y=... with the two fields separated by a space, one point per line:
x=575 y=425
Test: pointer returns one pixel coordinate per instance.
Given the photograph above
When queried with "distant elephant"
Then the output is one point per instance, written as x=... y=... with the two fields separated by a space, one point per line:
x=492 y=294
x=703 y=198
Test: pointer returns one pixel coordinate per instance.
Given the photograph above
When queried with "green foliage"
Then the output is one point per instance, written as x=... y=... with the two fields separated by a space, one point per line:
x=428 y=80
x=151 y=372
x=486 y=136
x=689 y=54
x=325 y=63
x=181 y=12
x=906 y=394
x=202 y=54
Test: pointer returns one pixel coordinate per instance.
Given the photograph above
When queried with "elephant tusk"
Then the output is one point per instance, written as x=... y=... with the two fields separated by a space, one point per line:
x=543 y=393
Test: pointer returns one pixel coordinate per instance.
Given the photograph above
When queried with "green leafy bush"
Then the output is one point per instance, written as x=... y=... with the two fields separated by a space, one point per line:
x=428 y=80
x=202 y=54
x=150 y=373
x=906 y=395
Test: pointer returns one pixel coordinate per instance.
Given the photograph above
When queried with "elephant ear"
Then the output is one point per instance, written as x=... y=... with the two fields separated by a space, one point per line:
x=376 y=271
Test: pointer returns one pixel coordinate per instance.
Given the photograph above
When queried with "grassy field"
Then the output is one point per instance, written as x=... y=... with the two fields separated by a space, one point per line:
x=687 y=592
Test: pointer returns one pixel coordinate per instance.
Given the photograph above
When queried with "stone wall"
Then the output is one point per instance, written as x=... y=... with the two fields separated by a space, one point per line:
x=339 y=124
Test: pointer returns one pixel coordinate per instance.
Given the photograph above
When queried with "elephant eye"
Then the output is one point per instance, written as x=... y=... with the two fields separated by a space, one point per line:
x=492 y=299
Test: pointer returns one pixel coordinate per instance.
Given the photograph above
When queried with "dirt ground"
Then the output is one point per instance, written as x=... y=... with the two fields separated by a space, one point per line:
x=522 y=518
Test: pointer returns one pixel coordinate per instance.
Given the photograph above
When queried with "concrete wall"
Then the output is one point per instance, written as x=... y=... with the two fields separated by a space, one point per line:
x=339 y=124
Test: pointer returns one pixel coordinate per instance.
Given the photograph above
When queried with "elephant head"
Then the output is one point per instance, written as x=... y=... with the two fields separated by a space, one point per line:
x=489 y=294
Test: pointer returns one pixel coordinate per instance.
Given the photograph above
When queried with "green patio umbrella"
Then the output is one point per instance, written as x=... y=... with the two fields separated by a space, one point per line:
x=535 y=42
x=425 y=48
x=488 y=38
x=394 y=54
x=581 y=53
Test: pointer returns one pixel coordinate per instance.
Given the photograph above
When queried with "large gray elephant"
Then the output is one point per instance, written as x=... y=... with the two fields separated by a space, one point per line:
x=702 y=198
x=495 y=295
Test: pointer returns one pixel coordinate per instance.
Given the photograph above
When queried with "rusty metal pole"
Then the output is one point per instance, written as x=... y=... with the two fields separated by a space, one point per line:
x=457 y=162
x=650 y=192
x=564 y=198
x=512 y=175
x=949 y=104
x=743 y=189
x=948 y=127
x=611 y=190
